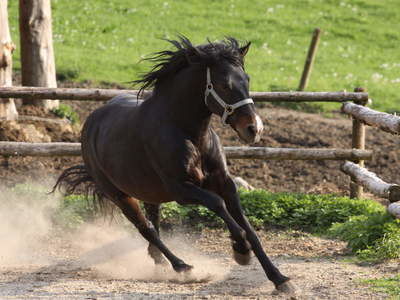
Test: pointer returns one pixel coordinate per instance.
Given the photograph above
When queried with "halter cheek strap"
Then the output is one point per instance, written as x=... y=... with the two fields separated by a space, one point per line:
x=228 y=108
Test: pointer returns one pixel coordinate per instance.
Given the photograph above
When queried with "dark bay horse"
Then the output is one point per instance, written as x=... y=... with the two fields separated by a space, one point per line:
x=163 y=149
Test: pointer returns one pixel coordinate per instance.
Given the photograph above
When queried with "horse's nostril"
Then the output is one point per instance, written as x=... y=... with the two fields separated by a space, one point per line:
x=252 y=130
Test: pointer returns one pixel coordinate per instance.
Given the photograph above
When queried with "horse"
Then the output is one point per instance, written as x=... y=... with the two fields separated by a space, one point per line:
x=163 y=148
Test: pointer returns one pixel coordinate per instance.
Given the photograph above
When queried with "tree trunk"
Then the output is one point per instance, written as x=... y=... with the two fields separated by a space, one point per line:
x=7 y=106
x=37 y=55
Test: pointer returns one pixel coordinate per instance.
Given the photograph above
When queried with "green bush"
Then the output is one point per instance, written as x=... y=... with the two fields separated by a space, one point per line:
x=373 y=237
x=66 y=111
x=314 y=213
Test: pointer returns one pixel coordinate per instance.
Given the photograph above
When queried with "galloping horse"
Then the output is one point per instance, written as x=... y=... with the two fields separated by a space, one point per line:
x=163 y=149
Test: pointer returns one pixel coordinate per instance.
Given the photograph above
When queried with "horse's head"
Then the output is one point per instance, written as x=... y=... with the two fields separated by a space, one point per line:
x=218 y=69
x=227 y=95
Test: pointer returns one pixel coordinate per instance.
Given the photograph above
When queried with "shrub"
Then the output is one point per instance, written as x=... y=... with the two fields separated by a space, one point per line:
x=315 y=213
x=373 y=237
x=66 y=111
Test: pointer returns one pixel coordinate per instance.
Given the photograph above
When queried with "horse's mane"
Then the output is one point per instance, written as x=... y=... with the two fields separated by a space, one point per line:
x=168 y=62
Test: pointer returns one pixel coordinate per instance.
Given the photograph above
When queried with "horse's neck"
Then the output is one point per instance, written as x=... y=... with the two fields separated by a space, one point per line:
x=192 y=118
x=186 y=107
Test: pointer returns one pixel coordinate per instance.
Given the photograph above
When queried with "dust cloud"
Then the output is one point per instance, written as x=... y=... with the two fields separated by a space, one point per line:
x=113 y=252
x=108 y=249
x=24 y=225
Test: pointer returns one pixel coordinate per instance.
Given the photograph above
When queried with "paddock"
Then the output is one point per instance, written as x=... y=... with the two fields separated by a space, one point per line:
x=353 y=103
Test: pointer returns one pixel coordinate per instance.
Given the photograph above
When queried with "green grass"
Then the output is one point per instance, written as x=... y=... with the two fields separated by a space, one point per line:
x=105 y=40
x=390 y=285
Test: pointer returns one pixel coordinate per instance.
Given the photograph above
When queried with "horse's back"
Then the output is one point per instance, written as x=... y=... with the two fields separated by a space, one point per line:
x=129 y=100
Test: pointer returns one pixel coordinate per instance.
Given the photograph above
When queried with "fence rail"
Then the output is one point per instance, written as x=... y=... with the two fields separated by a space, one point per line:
x=107 y=94
x=373 y=183
x=384 y=121
x=74 y=149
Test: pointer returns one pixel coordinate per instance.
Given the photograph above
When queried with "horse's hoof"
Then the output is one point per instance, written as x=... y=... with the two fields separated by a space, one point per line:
x=242 y=259
x=288 y=289
x=182 y=268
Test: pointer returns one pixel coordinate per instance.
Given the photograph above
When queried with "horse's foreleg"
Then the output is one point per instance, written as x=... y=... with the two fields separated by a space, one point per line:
x=153 y=215
x=231 y=197
x=131 y=209
x=188 y=193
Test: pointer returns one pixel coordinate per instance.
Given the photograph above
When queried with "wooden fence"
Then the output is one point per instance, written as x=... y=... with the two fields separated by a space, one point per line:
x=361 y=115
x=361 y=176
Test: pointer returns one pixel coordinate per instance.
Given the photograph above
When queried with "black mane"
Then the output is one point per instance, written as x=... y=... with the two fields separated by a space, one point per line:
x=169 y=62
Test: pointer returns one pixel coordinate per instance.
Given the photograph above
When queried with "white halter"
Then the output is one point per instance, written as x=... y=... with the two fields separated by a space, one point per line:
x=228 y=108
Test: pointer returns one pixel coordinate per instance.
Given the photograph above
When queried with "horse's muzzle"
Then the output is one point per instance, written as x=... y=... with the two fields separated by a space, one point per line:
x=249 y=129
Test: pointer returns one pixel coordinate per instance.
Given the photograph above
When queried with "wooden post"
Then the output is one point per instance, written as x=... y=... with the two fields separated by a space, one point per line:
x=7 y=106
x=357 y=142
x=37 y=55
x=310 y=59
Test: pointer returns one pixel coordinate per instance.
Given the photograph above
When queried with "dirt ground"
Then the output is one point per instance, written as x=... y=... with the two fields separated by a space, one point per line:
x=105 y=262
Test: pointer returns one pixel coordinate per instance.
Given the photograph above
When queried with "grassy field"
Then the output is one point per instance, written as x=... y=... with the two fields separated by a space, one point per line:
x=105 y=40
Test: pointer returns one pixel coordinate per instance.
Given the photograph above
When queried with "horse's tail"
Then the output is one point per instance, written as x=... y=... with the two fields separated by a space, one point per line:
x=77 y=180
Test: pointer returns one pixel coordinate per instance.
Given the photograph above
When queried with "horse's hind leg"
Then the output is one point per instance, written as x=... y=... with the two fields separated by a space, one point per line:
x=153 y=214
x=131 y=209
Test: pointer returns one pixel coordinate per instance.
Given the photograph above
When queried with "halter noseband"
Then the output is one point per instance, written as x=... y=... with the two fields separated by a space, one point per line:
x=228 y=108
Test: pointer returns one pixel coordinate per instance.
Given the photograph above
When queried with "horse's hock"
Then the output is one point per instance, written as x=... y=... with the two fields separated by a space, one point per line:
x=353 y=103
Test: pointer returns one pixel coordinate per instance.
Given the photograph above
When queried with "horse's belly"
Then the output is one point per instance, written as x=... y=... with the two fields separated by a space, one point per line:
x=137 y=179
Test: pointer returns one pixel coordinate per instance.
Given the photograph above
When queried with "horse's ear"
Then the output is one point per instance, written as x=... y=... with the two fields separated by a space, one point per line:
x=243 y=50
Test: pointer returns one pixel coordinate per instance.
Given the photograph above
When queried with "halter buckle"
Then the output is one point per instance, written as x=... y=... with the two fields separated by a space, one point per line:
x=229 y=109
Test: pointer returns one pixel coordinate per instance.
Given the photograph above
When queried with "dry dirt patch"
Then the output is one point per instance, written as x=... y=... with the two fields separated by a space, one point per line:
x=102 y=261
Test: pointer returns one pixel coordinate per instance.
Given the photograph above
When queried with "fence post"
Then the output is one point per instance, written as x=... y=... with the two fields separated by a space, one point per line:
x=358 y=142
x=310 y=59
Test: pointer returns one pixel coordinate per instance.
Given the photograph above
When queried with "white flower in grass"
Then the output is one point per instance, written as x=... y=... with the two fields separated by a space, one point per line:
x=384 y=66
x=376 y=76
x=270 y=10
